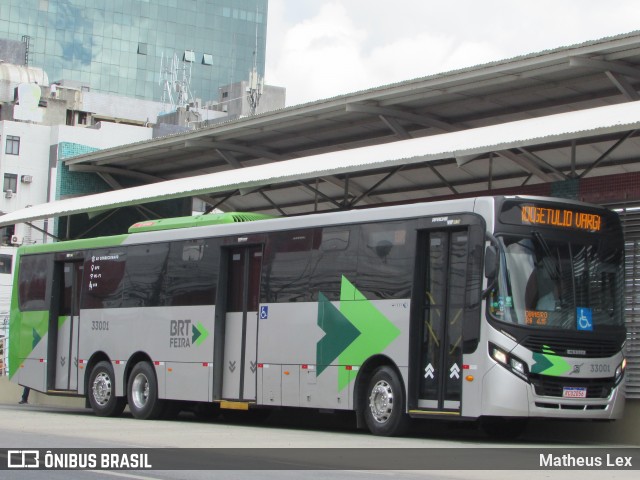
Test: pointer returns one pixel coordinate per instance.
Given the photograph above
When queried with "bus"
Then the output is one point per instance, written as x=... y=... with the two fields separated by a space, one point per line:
x=492 y=309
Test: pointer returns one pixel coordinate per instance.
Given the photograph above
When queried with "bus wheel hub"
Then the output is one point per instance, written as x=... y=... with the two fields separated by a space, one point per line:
x=381 y=401
x=102 y=388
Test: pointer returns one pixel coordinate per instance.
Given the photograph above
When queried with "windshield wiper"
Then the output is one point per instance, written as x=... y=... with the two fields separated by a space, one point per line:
x=549 y=262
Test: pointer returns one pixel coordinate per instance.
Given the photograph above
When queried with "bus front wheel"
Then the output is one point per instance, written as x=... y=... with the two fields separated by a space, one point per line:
x=384 y=404
x=142 y=392
x=102 y=392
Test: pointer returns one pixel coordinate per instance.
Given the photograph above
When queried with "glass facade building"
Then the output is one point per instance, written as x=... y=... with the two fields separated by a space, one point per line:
x=117 y=46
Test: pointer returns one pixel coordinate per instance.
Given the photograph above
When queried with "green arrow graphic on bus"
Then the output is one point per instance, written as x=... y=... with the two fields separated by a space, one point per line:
x=27 y=330
x=353 y=333
x=36 y=338
x=377 y=330
x=548 y=363
x=199 y=334
x=340 y=332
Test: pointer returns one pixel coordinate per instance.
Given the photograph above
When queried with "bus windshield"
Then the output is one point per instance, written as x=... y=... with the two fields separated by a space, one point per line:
x=570 y=284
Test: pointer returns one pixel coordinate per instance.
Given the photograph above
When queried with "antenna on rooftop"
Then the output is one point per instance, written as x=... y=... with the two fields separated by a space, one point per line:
x=256 y=82
x=26 y=39
x=175 y=79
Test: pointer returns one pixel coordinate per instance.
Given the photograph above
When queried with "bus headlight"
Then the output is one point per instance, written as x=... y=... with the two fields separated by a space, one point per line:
x=620 y=370
x=509 y=361
x=517 y=365
x=499 y=355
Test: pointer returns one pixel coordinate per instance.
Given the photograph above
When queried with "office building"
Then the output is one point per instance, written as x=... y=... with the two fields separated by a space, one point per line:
x=127 y=47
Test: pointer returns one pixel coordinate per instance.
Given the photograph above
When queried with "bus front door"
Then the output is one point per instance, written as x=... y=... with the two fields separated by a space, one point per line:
x=438 y=318
x=62 y=372
x=241 y=323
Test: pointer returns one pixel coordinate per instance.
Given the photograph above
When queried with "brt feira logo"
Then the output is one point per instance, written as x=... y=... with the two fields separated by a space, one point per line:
x=183 y=334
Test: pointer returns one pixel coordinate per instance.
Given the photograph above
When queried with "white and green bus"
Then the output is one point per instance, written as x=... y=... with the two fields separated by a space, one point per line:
x=496 y=309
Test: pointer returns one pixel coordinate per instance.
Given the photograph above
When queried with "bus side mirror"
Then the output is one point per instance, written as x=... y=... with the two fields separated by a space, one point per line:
x=491 y=262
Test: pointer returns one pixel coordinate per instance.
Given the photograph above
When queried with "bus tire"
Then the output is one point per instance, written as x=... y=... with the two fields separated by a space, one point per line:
x=142 y=392
x=383 y=405
x=102 y=391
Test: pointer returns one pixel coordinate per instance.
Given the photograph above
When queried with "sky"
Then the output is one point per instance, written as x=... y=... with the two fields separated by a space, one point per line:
x=318 y=49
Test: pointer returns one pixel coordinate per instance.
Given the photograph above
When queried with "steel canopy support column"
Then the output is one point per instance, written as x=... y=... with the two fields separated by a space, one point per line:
x=573 y=158
x=345 y=200
x=490 y=180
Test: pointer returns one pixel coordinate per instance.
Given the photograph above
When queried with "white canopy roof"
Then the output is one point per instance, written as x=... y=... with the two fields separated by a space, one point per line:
x=523 y=133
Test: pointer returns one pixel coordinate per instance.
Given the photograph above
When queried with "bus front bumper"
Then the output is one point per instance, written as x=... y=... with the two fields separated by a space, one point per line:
x=506 y=395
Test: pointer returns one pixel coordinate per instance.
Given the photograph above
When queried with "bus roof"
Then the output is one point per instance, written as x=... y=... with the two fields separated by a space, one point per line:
x=196 y=221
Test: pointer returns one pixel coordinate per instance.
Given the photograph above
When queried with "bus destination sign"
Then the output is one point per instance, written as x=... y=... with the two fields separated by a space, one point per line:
x=548 y=216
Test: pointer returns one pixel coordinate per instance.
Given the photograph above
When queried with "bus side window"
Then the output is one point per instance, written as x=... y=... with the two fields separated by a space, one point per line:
x=333 y=256
x=191 y=273
x=35 y=274
x=144 y=274
x=386 y=260
x=475 y=277
x=287 y=266
x=103 y=284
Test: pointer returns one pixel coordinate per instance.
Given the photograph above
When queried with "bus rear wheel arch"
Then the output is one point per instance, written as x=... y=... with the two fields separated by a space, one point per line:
x=102 y=391
x=142 y=392
x=383 y=403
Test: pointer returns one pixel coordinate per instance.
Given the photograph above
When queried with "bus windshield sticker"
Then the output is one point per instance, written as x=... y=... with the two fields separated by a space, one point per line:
x=584 y=319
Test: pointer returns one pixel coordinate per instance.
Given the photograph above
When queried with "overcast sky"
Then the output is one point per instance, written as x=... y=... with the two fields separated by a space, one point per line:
x=321 y=48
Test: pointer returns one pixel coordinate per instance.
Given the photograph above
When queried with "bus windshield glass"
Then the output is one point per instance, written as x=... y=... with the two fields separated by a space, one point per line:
x=570 y=284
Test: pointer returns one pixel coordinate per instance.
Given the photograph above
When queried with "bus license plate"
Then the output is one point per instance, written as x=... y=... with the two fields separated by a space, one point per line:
x=574 y=392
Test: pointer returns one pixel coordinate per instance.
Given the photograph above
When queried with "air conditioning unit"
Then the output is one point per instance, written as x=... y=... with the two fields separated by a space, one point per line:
x=8 y=194
x=16 y=240
x=26 y=178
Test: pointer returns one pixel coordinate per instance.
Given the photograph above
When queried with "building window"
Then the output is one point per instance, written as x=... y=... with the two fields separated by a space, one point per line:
x=142 y=48
x=13 y=145
x=207 y=59
x=10 y=182
x=5 y=263
x=189 y=56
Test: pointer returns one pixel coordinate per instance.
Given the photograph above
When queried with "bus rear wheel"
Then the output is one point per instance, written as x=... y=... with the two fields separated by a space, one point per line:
x=142 y=392
x=102 y=392
x=384 y=404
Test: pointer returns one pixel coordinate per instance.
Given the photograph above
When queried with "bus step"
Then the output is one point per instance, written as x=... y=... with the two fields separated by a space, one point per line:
x=63 y=393
x=423 y=413
x=227 y=405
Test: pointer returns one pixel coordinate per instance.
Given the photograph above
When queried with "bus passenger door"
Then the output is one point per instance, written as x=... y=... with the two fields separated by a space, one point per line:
x=438 y=319
x=62 y=368
x=241 y=323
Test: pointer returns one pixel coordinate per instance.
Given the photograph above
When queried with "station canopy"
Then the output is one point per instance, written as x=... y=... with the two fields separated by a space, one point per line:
x=563 y=114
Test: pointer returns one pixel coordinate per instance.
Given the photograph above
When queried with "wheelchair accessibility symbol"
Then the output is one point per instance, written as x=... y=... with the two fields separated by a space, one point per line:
x=264 y=312
x=584 y=319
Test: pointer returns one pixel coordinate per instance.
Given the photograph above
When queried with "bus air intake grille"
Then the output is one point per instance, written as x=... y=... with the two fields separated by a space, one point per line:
x=552 y=386
x=572 y=347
